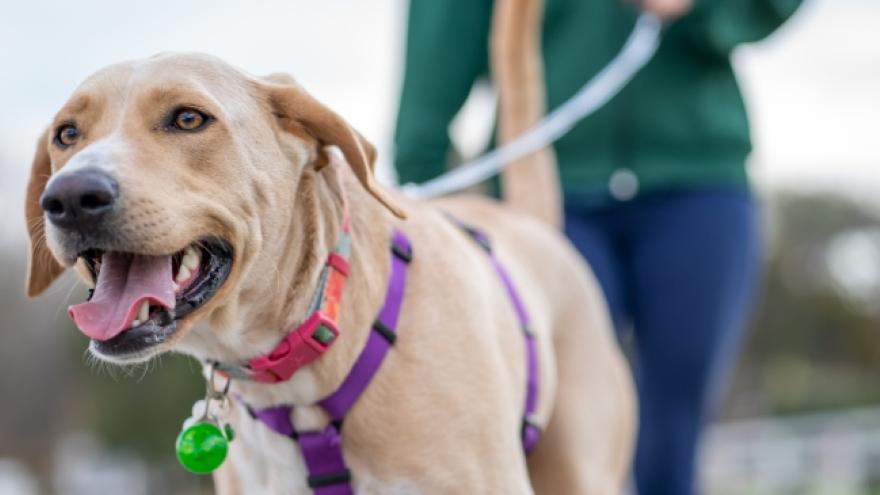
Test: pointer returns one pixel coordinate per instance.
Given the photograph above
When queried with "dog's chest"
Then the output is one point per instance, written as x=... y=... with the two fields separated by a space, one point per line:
x=265 y=462
x=268 y=463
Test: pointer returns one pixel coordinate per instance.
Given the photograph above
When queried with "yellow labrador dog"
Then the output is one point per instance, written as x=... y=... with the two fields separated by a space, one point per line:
x=201 y=203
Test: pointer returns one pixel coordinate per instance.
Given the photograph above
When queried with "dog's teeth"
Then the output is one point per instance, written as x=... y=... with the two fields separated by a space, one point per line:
x=135 y=323
x=144 y=312
x=190 y=260
x=183 y=274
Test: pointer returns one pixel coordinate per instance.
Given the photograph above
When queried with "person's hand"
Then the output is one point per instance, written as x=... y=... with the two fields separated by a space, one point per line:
x=667 y=9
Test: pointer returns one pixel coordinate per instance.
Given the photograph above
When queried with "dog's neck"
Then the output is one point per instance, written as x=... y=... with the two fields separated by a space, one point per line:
x=312 y=235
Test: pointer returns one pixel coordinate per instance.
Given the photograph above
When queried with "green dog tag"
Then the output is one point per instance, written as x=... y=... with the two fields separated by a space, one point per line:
x=201 y=448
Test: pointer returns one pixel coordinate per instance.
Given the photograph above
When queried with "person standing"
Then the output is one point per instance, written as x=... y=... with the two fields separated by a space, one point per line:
x=656 y=194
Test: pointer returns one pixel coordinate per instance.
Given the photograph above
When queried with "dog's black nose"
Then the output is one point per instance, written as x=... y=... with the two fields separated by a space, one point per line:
x=78 y=200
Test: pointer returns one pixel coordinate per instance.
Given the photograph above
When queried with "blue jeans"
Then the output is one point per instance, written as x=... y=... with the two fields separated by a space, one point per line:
x=679 y=270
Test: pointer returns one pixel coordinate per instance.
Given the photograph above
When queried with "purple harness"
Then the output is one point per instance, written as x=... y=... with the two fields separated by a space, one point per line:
x=322 y=450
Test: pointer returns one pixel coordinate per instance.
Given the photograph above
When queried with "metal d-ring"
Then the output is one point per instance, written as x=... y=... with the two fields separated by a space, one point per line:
x=213 y=394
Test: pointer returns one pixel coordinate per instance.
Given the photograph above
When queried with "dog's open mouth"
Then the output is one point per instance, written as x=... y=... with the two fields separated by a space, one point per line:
x=138 y=299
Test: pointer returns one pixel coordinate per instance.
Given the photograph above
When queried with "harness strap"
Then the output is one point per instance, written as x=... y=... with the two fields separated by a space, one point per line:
x=328 y=473
x=322 y=449
x=530 y=432
x=277 y=418
x=340 y=402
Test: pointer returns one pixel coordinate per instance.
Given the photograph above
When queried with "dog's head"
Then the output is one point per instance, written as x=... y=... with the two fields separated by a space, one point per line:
x=170 y=183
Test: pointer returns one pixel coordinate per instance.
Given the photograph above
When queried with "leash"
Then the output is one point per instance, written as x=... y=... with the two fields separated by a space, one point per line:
x=635 y=54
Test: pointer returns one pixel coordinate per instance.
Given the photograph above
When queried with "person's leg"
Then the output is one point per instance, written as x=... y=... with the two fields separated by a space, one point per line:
x=586 y=230
x=692 y=269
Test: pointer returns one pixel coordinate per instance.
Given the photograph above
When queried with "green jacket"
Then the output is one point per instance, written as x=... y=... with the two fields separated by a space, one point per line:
x=680 y=122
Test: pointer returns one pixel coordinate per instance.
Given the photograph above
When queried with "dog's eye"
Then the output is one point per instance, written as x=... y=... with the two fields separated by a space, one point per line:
x=67 y=135
x=188 y=119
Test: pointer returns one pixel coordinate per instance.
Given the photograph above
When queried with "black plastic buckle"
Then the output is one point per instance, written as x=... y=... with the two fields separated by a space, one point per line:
x=479 y=237
x=402 y=252
x=385 y=331
x=294 y=435
x=321 y=480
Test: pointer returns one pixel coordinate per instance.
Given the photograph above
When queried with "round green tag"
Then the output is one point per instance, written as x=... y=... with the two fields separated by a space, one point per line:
x=201 y=448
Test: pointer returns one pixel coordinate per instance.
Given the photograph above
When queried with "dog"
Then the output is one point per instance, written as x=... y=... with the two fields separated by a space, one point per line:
x=203 y=206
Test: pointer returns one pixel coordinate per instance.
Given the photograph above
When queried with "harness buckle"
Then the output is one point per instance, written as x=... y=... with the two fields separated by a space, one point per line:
x=322 y=480
x=302 y=346
x=530 y=434
x=403 y=252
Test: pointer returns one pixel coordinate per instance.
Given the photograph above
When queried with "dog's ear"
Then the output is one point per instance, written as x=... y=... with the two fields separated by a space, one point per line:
x=43 y=268
x=289 y=100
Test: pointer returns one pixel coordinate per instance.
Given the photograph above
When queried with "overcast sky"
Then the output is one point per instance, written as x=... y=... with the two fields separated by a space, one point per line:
x=813 y=89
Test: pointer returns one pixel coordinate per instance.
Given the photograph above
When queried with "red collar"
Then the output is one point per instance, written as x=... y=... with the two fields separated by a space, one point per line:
x=314 y=336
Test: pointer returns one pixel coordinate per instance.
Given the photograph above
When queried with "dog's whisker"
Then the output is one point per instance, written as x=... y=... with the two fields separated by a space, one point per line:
x=145 y=369
x=66 y=299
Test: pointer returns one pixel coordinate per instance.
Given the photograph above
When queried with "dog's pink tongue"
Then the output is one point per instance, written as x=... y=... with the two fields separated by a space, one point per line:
x=124 y=283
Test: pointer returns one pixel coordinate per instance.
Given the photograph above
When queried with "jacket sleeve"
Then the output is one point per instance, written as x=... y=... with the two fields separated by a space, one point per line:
x=720 y=25
x=446 y=51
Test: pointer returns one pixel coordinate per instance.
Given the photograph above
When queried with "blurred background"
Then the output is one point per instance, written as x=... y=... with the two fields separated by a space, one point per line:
x=803 y=416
